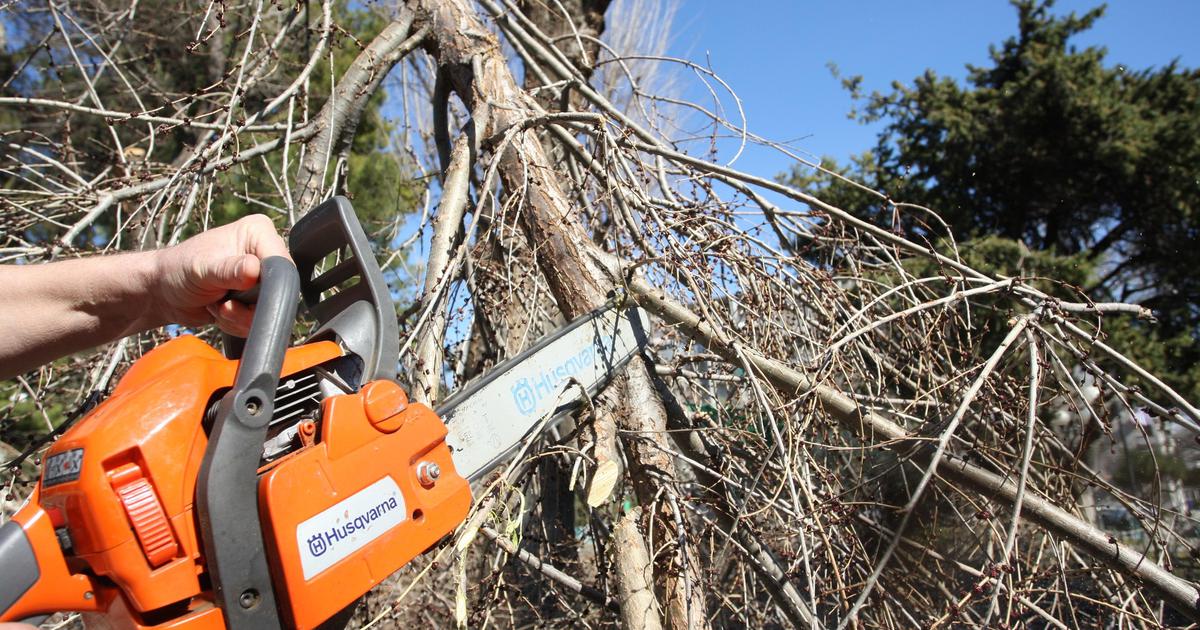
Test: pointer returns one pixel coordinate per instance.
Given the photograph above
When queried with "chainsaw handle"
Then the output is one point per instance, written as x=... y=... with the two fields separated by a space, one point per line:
x=34 y=578
x=227 y=488
x=232 y=345
x=271 y=329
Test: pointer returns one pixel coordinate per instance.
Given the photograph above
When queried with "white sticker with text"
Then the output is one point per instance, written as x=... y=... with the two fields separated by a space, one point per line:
x=349 y=525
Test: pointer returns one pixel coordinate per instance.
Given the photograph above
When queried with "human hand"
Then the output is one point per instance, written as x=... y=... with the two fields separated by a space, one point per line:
x=193 y=277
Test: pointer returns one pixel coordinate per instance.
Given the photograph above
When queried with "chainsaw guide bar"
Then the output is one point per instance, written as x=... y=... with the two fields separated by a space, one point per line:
x=492 y=416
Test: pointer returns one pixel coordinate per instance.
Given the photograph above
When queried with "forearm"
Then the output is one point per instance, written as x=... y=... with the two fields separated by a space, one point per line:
x=52 y=310
x=49 y=311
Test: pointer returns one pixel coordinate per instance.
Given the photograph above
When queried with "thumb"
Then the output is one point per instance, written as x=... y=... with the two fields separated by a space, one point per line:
x=236 y=273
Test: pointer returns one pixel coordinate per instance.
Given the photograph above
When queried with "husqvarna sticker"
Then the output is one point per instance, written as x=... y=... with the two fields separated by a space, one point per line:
x=349 y=525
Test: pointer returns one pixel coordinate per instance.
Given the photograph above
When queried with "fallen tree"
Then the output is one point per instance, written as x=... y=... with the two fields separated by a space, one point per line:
x=838 y=423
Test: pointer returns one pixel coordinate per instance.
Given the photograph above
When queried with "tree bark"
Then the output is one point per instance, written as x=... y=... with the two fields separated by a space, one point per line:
x=634 y=575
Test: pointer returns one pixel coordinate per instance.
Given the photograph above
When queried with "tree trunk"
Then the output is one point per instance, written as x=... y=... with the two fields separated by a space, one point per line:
x=568 y=259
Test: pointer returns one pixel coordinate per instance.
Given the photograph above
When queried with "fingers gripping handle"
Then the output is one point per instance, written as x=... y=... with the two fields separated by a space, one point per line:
x=227 y=490
x=232 y=344
x=359 y=313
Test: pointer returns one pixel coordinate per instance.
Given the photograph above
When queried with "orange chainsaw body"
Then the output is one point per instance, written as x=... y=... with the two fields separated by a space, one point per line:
x=112 y=522
x=374 y=439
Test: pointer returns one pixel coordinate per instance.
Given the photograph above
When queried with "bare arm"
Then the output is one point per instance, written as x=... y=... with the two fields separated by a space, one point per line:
x=49 y=311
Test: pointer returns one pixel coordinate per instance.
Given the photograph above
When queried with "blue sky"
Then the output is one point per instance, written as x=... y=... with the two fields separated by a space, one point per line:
x=775 y=54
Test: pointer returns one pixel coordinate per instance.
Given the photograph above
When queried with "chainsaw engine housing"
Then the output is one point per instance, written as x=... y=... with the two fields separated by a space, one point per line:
x=340 y=513
x=274 y=486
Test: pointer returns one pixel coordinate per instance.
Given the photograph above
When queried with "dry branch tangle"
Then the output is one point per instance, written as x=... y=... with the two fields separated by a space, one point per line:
x=873 y=427
x=780 y=501
x=1181 y=593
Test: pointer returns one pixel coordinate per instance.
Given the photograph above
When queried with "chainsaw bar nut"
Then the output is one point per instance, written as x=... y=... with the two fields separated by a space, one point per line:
x=428 y=473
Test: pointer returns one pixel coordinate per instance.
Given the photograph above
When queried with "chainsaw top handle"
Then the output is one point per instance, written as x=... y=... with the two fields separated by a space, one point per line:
x=227 y=488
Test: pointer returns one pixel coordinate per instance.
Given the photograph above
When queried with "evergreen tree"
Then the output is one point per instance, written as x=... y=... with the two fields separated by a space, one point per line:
x=1049 y=146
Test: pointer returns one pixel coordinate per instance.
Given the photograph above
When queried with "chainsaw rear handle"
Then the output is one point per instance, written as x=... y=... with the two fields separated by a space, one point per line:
x=20 y=565
x=227 y=488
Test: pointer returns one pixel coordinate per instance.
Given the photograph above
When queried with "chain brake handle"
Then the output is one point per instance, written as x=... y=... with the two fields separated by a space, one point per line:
x=360 y=315
x=357 y=310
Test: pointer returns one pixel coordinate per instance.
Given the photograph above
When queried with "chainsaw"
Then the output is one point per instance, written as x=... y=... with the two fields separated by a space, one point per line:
x=272 y=486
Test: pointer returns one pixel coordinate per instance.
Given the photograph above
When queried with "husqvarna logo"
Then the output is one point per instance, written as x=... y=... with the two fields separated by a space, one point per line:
x=316 y=545
x=528 y=392
x=524 y=397
x=349 y=525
